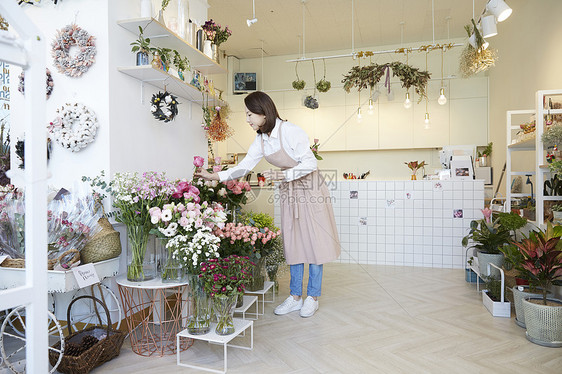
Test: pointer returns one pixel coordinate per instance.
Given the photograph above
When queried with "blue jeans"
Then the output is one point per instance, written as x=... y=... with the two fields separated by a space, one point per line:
x=314 y=279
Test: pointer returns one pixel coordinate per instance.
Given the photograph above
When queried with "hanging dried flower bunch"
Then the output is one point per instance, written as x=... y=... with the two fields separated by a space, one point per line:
x=474 y=60
x=3 y=23
x=323 y=85
x=219 y=130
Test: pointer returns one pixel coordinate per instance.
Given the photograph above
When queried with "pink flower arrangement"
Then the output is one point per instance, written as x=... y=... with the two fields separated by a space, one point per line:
x=238 y=187
x=226 y=276
x=246 y=240
x=187 y=191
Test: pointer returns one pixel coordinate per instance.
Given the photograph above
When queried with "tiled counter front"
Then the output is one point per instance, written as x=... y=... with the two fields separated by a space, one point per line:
x=411 y=223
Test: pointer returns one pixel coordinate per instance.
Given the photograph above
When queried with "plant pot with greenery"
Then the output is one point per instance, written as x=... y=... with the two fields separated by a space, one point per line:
x=557 y=213
x=493 y=298
x=181 y=63
x=488 y=237
x=543 y=266
x=143 y=49
x=552 y=137
x=485 y=155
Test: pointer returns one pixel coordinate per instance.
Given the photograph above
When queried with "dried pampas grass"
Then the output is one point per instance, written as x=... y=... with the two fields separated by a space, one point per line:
x=474 y=61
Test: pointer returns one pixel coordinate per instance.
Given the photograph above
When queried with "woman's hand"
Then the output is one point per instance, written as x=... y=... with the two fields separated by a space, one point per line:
x=274 y=175
x=202 y=173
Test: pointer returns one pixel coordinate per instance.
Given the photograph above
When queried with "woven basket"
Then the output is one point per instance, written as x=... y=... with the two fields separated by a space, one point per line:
x=105 y=349
x=544 y=323
x=20 y=263
x=104 y=245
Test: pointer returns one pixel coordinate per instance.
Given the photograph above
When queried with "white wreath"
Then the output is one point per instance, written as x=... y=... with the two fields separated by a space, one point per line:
x=75 y=127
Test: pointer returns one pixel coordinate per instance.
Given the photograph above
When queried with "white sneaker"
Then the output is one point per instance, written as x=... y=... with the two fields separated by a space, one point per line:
x=288 y=306
x=309 y=307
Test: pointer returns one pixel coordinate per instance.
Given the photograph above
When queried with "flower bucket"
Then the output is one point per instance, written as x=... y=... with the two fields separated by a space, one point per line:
x=223 y=306
x=199 y=320
x=170 y=268
x=258 y=276
x=141 y=259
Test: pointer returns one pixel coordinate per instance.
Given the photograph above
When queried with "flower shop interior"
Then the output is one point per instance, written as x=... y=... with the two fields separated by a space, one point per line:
x=433 y=122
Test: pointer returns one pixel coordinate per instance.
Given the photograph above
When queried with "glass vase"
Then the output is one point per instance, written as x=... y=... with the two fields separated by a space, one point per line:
x=199 y=320
x=170 y=268
x=258 y=275
x=142 y=58
x=223 y=306
x=141 y=259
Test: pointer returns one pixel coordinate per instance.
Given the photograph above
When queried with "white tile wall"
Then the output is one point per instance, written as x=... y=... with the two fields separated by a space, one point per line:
x=415 y=231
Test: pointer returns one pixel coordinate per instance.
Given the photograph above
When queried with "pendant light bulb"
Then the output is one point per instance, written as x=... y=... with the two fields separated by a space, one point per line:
x=407 y=102
x=359 y=115
x=426 y=121
x=371 y=106
x=442 y=99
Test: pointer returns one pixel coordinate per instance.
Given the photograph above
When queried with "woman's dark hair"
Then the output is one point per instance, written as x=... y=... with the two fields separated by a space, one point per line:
x=260 y=103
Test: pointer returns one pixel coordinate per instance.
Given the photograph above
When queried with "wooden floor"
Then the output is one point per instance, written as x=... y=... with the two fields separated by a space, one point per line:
x=375 y=319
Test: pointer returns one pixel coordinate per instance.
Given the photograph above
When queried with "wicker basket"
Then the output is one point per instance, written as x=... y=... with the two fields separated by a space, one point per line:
x=20 y=263
x=107 y=348
x=104 y=245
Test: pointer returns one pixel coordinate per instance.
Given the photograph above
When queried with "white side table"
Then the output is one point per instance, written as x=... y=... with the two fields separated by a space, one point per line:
x=248 y=301
x=240 y=325
x=261 y=293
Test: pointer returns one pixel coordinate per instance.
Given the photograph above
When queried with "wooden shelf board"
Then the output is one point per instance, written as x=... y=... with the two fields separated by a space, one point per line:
x=162 y=36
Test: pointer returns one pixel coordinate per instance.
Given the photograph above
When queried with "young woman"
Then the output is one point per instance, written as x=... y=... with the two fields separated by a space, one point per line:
x=307 y=219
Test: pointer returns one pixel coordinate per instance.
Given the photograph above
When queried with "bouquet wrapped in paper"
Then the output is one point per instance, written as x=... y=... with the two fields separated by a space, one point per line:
x=12 y=224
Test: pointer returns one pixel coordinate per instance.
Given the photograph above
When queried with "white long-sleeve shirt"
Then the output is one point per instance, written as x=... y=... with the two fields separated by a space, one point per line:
x=295 y=143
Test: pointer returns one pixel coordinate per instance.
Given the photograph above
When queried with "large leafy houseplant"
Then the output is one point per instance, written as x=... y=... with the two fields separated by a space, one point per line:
x=488 y=237
x=542 y=258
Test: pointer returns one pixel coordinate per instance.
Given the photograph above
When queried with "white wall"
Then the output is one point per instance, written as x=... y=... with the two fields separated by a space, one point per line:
x=528 y=45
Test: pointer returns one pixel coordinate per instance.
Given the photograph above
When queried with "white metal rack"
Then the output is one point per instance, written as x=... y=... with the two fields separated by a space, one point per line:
x=28 y=51
x=534 y=144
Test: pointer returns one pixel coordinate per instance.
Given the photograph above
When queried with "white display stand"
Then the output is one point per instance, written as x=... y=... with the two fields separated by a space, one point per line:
x=261 y=293
x=248 y=301
x=240 y=326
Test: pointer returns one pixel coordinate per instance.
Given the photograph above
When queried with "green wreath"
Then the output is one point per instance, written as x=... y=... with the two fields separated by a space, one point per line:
x=164 y=106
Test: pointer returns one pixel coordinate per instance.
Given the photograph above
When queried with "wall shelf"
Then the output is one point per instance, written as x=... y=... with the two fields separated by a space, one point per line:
x=162 y=36
x=163 y=80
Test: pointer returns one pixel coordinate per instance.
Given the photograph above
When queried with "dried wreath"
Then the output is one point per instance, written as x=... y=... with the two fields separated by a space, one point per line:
x=50 y=83
x=164 y=106
x=75 y=127
x=73 y=35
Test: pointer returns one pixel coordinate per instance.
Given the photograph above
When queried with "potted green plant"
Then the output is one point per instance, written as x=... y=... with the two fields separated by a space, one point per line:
x=488 y=237
x=142 y=47
x=165 y=55
x=181 y=64
x=552 y=137
x=543 y=265
x=485 y=154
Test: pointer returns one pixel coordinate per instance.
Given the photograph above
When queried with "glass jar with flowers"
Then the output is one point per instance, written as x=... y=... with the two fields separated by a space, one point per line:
x=414 y=167
x=224 y=279
x=132 y=196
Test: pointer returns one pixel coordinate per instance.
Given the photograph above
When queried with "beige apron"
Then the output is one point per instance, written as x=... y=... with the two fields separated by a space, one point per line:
x=307 y=218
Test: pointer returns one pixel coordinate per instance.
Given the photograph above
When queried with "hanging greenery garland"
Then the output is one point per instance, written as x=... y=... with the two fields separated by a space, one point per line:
x=75 y=127
x=49 y=88
x=362 y=77
x=475 y=60
x=73 y=35
x=164 y=106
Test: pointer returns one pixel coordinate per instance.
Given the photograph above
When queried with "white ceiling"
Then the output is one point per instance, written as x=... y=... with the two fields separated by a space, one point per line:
x=328 y=23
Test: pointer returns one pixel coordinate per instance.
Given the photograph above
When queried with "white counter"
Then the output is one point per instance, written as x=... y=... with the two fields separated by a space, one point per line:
x=409 y=223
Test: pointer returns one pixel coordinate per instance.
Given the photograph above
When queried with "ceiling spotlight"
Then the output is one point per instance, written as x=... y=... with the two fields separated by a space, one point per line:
x=442 y=99
x=407 y=102
x=489 y=28
x=499 y=9
x=250 y=22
